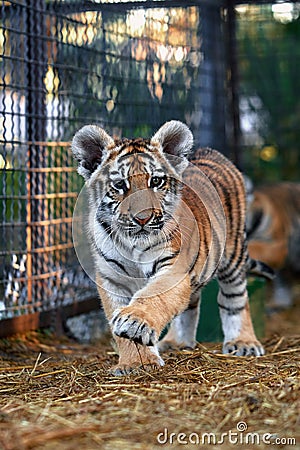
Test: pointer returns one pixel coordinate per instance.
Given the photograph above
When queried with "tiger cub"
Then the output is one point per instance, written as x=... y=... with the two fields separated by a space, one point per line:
x=273 y=230
x=160 y=228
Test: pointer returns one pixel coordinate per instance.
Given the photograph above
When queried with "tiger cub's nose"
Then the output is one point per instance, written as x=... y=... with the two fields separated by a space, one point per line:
x=143 y=217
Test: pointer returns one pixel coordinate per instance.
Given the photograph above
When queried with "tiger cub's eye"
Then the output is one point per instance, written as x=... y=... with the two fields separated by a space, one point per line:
x=120 y=185
x=157 y=182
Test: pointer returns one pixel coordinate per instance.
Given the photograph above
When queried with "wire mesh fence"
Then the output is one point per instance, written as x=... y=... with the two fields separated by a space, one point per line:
x=268 y=56
x=66 y=64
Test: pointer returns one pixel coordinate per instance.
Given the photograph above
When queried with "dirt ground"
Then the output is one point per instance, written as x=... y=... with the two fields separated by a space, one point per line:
x=57 y=394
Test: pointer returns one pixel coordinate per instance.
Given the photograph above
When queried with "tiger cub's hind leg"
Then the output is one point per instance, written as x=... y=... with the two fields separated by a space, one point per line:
x=183 y=328
x=239 y=335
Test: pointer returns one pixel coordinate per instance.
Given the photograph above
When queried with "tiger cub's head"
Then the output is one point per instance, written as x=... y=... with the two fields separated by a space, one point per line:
x=134 y=183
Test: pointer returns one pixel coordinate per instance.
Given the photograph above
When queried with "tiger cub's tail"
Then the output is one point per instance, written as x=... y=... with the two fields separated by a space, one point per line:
x=259 y=268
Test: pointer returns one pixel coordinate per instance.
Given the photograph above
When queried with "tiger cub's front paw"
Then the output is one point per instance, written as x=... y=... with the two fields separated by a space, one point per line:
x=241 y=348
x=137 y=367
x=126 y=324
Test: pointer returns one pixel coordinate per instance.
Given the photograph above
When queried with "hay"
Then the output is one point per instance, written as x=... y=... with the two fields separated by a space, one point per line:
x=56 y=394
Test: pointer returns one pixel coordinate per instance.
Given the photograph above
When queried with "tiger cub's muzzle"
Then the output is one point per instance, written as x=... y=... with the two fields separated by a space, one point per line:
x=141 y=212
x=145 y=221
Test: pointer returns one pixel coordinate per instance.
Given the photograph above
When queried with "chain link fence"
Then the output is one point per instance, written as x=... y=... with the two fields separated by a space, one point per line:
x=127 y=66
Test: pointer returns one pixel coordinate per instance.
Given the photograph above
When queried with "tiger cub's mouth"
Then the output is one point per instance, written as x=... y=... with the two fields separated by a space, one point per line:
x=138 y=229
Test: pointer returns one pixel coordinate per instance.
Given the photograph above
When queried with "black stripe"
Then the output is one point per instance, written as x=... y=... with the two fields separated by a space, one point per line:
x=255 y=222
x=117 y=263
x=146 y=249
x=233 y=294
x=259 y=268
x=195 y=260
x=162 y=261
x=135 y=151
x=229 y=262
x=106 y=226
x=194 y=282
x=192 y=306
x=174 y=185
x=227 y=279
x=121 y=286
x=151 y=246
x=232 y=311
x=110 y=260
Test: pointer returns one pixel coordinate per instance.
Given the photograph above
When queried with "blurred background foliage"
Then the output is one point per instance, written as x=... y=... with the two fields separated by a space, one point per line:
x=269 y=61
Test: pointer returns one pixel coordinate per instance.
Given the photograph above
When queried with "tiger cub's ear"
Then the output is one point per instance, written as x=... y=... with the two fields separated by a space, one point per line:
x=89 y=146
x=176 y=140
